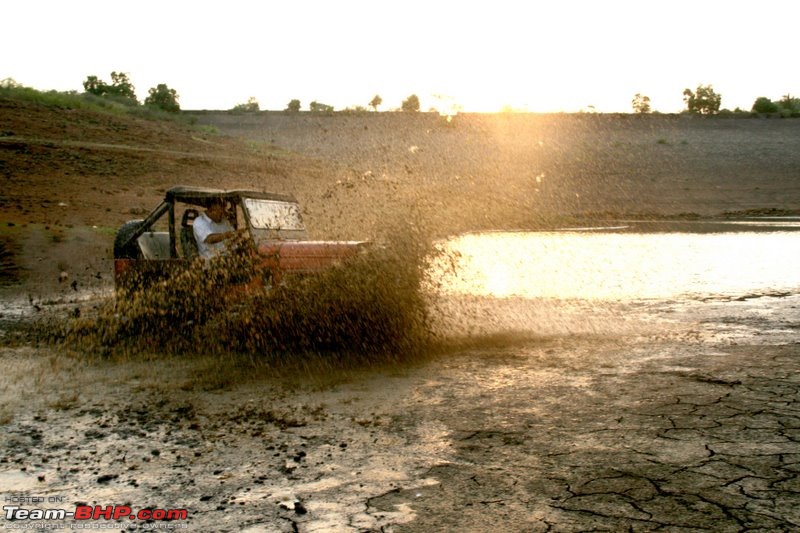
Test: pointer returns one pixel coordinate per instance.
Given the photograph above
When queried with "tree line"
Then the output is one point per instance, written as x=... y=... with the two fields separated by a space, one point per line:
x=122 y=90
x=704 y=100
x=295 y=106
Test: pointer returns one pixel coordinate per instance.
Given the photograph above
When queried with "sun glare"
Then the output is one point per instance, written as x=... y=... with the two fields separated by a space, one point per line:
x=612 y=266
x=555 y=57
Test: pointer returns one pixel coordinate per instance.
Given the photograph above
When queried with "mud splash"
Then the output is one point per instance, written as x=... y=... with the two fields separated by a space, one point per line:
x=369 y=309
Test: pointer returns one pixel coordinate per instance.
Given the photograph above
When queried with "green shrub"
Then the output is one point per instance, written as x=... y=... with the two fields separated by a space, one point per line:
x=120 y=87
x=62 y=99
x=790 y=106
x=162 y=97
x=110 y=105
x=318 y=107
x=251 y=106
x=764 y=105
x=293 y=106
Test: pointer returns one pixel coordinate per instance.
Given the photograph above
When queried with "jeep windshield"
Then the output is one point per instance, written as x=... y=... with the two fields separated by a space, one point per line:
x=273 y=219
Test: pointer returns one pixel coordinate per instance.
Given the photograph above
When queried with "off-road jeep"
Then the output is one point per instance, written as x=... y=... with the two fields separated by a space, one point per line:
x=150 y=249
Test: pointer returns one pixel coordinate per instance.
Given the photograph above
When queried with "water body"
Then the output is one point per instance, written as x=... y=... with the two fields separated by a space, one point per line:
x=625 y=266
x=603 y=279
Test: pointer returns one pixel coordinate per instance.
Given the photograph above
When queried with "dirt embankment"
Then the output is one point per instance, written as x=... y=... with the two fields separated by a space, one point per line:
x=529 y=165
x=496 y=170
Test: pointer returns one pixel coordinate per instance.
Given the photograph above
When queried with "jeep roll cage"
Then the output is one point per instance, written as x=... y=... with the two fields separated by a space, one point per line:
x=198 y=196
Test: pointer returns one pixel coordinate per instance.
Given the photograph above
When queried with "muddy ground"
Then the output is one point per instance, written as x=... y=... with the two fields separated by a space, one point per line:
x=673 y=416
x=681 y=424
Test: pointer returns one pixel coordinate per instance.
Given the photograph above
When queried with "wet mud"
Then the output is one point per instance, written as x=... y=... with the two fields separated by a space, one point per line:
x=687 y=419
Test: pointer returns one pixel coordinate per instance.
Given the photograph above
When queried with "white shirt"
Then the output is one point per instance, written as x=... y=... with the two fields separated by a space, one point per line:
x=202 y=227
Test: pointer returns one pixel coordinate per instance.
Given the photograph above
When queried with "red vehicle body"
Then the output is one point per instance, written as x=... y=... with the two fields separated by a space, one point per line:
x=151 y=248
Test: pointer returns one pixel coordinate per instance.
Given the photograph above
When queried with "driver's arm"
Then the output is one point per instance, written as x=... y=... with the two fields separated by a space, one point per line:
x=214 y=238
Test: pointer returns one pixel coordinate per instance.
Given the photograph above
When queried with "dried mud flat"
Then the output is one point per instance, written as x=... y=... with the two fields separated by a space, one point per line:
x=686 y=419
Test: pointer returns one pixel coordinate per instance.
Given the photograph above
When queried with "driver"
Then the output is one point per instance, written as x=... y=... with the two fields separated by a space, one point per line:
x=212 y=230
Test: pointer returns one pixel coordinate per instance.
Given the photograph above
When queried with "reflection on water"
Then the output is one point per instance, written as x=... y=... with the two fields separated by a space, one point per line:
x=621 y=266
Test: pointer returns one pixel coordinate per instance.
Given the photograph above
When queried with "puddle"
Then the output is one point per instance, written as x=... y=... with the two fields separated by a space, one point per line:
x=618 y=282
x=613 y=266
x=20 y=308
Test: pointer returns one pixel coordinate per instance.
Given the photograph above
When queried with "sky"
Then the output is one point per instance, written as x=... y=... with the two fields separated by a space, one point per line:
x=538 y=56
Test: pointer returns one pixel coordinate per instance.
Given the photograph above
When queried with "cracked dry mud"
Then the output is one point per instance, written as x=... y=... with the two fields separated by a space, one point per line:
x=690 y=423
x=695 y=451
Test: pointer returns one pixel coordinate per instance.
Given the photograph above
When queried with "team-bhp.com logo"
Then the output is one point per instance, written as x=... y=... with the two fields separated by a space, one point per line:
x=97 y=512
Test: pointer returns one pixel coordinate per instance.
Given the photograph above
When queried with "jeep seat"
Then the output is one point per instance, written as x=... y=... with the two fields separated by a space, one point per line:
x=188 y=242
x=154 y=245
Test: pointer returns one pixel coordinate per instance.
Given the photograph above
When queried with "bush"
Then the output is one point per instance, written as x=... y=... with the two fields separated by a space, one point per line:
x=411 y=103
x=65 y=100
x=764 y=105
x=120 y=87
x=164 y=98
x=790 y=106
x=251 y=106
x=355 y=110
x=293 y=106
x=318 y=107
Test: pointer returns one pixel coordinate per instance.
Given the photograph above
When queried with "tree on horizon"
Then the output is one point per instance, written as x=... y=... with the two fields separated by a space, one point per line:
x=120 y=87
x=163 y=97
x=705 y=101
x=411 y=103
x=641 y=104
x=293 y=106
